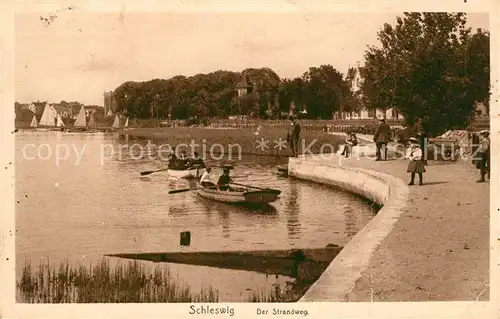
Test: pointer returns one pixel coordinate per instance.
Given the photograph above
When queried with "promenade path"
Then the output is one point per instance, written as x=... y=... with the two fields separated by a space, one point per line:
x=440 y=247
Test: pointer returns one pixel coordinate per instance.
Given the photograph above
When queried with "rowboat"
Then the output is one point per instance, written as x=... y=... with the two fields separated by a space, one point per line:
x=240 y=195
x=186 y=173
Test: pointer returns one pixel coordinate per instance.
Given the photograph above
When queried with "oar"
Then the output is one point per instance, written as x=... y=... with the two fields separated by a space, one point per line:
x=250 y=186
x=175 y=191
x=151 y=172
x=166 y=169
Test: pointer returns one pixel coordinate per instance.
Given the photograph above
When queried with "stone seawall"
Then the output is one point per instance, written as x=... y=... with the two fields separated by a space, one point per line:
x=340 y=277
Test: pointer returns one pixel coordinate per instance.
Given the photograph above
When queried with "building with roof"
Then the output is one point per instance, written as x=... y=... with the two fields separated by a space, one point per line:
x=354 y=79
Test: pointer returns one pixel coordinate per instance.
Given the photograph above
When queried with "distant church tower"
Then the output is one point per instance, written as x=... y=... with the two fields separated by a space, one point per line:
x=243 y=87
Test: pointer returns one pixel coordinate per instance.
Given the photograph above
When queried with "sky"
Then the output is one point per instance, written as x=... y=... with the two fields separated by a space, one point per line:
x=78 y=56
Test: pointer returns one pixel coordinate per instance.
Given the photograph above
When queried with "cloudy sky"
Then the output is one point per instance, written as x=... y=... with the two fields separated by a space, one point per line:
x=80 y=55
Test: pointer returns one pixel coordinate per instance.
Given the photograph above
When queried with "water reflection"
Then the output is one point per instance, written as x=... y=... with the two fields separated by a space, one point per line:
x=178 y=210
x=225 y=223
x=350 y=221
x=292 y=211
x=103 y=206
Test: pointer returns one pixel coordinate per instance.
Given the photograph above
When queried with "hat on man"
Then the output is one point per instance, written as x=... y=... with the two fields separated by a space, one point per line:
x=484 y=132
x=413 y=140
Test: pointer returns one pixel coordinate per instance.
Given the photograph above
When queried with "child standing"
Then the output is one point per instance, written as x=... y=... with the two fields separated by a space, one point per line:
x=416 y=165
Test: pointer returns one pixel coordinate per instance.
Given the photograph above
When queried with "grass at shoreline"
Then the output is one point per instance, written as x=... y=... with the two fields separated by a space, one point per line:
x=101 y=283
x=131 y=282
x=319 y=142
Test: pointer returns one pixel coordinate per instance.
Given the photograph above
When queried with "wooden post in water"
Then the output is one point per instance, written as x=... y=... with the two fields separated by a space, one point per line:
x=185 y=238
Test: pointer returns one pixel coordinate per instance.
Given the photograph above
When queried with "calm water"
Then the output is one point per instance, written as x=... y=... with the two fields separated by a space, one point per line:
x=78 y=211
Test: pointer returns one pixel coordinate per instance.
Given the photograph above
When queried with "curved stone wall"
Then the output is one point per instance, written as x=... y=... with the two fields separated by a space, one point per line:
x=340 y=276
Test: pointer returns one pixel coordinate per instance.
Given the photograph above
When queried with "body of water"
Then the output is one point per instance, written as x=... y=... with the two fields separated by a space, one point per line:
x=94 y=202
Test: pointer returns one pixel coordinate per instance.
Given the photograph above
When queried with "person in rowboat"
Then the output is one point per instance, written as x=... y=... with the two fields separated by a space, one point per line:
x=206 y=179
x=196 y=160
x=183 y=161
x=172 y=159
x=225 y=180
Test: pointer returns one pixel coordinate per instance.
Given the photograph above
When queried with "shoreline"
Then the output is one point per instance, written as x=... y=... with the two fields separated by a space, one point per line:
x=419 y=250
x=267 y=141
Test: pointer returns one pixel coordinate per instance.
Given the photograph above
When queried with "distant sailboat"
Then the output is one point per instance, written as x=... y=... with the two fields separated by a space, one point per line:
x=81 y=120
x=34 y=122
x=49 y=116
x=116 y=123
x=60 y=122
x=126 y=123
x=91 y=122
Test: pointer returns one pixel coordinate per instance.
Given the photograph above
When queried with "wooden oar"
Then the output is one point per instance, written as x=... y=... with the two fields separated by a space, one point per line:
x=163 y=169
x=151 y=172
x=175 y=191
x=250 y=186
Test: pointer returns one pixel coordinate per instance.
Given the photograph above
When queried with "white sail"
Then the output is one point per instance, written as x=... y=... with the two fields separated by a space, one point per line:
x=81 y=120
x=34 y=122
x=126 y=123
x=49 y=116
x=91 y=122
x=116 y=123
x=60 y=122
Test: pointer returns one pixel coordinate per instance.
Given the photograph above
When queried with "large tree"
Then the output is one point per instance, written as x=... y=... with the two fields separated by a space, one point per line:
x=325 y=91
x=429 y=65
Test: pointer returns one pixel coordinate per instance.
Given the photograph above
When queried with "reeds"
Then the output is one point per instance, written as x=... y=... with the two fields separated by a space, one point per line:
x=131 y=282
x=101 y=283
x=289 y=293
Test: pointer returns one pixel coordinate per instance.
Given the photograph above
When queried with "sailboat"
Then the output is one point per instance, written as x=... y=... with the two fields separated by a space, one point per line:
x=34 y=122
x=49 y=116
x=91 y=124
x=125 y=126
x=81 y=120
x=59 y=122
x=116 y=123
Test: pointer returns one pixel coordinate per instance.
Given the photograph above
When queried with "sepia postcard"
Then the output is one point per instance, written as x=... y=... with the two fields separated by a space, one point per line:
x=184 y=159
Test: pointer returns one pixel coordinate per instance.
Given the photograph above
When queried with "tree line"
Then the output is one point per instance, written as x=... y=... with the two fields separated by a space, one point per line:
x=319 y=91
x=426 y=65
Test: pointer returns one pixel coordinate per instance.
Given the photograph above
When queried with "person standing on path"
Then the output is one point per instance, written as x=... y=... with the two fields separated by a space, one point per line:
x=381 y=138
x=416 y=165
x=293 y=135
x=422 y=135
x=483 y=153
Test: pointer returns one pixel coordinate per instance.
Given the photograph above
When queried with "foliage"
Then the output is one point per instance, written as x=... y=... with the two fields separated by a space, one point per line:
x=321 y=90
x=429 y=65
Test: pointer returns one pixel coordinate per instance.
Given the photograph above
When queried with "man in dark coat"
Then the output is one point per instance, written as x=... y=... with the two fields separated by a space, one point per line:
x=293 y=136
x=483 y=153
x=225 y=180
x=381 y=138
x=422 y=135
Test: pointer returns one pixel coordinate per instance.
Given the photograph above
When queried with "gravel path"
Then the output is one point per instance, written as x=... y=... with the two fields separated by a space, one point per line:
x=439 y=249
